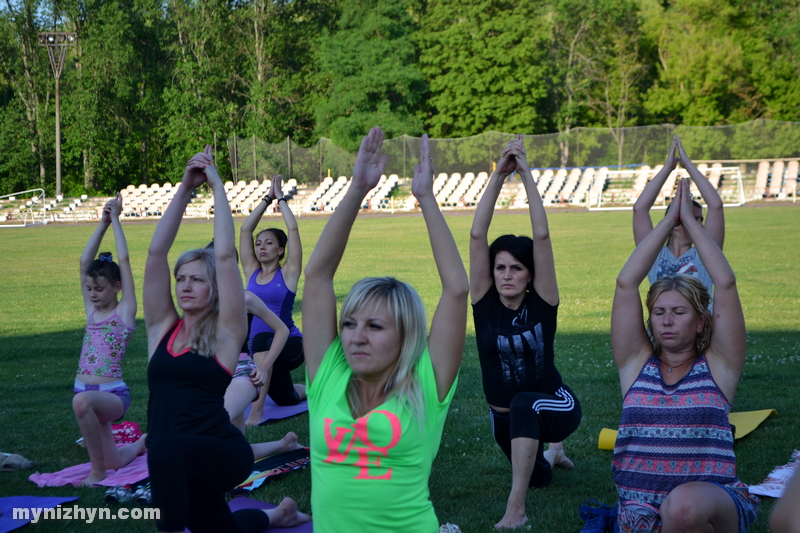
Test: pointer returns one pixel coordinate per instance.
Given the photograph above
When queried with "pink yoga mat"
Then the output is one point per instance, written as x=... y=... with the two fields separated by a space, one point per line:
x=135 y=471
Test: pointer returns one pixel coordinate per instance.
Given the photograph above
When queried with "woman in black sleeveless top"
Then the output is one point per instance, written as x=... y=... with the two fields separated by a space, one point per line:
x=195 y=454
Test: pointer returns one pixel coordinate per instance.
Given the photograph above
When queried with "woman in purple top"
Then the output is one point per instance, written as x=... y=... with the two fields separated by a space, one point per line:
x=276 y=285
x=674 y=465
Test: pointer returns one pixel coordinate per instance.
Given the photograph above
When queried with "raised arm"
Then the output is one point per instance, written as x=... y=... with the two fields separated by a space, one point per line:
x=544 y=279
x=642 y=223
x=480 y=271
x=319 y=300
x=715 y=216
x=448 y=329
x=127 y=304
x=246 y=249
x=293 y=266
x=90 y=252
x=726 y=353
x=264 y=360
x=630 y=343
x=232 y=318
x=159 y=308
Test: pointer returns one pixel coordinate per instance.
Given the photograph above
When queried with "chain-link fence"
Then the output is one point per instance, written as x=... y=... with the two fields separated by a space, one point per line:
x=252 y=158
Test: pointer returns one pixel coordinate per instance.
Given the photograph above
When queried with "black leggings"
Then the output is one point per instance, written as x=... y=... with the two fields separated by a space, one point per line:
x=189 y=476
x=281 y=388
x=539 y=416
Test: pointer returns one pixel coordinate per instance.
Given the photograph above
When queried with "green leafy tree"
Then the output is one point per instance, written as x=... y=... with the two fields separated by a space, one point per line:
x=109 y=94
x=484 y=63
x=279 y=43
x=370 y=60
x=204 y=93
x=27 y=81
x=703 y=64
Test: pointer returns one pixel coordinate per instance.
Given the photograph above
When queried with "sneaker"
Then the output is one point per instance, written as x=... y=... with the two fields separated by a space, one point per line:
x=142 y=495
x=449 y=528
x=118 y=495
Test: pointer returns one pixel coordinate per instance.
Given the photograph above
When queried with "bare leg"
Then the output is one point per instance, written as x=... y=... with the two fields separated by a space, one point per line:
x=556 y=457
x=240 y=392
x=698 y=507
x=785 y=517
x=286 y=444
x=286 y=515
x=257 y=409
x=94 y=411
x=523 y=459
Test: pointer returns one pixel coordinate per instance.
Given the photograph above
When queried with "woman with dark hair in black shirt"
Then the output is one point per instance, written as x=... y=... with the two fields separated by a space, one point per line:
x=515 y=315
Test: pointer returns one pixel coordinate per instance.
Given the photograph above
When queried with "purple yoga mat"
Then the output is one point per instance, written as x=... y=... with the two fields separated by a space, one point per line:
x=7 y=505
x=237 y=504
x=272 y=411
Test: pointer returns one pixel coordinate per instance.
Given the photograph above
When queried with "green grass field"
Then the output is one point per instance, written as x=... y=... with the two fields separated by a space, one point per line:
x=42 y=324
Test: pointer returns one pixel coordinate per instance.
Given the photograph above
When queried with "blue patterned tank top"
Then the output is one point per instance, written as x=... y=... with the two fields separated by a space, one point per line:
x=673 y=434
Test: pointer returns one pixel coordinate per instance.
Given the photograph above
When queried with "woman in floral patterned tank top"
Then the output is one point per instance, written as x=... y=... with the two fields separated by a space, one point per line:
x=674 y=465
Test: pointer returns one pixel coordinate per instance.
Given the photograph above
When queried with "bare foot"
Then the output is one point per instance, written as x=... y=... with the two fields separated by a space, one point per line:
x=287 y=515
x=93 y=479
x=511 y=521
x=556 y=457
x=289 y=442
x=141 y=442
x=255 y=418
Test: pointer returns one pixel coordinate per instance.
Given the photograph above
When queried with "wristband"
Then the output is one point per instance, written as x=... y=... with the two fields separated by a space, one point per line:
x=268 y=199
x=283 y=198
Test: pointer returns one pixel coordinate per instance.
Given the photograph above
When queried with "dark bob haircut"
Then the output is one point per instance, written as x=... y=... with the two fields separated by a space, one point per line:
x=521 y=247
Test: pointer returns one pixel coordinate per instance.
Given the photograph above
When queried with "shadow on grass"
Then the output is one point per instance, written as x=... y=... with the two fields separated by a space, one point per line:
x=470 y=477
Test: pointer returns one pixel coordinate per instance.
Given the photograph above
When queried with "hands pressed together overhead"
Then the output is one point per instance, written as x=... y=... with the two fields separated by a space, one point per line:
x=201 y=169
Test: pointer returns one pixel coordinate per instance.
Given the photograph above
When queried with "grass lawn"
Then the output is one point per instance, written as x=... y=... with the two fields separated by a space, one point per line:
x=42 y=324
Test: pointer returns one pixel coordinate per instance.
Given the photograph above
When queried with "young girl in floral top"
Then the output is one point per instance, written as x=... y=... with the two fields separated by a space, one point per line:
x=101 y=397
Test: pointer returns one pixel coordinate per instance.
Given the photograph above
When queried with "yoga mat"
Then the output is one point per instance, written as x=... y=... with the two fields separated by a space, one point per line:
x=743 y=424
x=73 y=475
x=272 y=411
x=247 y=503
x=274 y=465
x=238 y=504
x=7 y=505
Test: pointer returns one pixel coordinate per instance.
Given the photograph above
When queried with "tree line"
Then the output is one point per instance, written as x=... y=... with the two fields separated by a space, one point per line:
x=150 y=81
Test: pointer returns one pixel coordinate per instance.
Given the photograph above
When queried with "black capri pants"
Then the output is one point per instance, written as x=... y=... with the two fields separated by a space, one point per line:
x=189 y=476
x=281 y=388
x=540 y=416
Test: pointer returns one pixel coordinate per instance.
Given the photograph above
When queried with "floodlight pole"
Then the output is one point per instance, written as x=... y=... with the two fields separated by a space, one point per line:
x=56 y=43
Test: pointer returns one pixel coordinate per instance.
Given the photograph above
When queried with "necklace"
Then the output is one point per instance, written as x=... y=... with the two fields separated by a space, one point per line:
x=671 y=367
x=262 y=277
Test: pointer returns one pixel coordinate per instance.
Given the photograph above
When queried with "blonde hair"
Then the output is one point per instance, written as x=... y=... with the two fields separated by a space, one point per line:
x=693 y=290
x=406 y=306
x=203 y=338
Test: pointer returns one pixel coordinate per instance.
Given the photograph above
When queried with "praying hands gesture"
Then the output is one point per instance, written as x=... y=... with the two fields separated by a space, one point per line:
x=197 y=169
x=275 y=191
